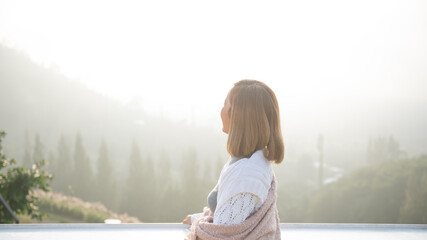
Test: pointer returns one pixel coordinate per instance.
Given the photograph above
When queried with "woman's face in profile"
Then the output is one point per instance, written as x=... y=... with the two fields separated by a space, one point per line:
x=224 y=115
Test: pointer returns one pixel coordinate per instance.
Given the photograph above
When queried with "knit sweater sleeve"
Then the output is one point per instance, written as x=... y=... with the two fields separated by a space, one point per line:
x=236 y=209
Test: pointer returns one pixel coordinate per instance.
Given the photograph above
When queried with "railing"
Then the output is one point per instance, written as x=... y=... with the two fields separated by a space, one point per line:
x=297 y=231
x=4 y=203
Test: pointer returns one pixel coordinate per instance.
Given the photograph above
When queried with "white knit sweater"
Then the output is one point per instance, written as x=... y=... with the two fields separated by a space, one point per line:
x=242 y=189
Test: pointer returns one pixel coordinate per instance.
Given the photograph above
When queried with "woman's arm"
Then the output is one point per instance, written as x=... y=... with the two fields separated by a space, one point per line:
x=236 y=209
x=195 y=216
x=191 y=218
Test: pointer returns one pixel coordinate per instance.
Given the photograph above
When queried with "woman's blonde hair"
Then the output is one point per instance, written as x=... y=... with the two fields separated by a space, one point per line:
x=254 y=121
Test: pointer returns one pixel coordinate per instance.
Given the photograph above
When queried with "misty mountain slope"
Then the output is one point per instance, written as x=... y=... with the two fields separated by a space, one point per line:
x=42 y=100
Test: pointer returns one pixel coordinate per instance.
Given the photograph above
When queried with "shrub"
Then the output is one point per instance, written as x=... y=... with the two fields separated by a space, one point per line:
x=17 y=184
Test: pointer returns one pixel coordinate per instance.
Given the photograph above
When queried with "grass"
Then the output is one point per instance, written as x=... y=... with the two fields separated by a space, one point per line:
x=59 y=208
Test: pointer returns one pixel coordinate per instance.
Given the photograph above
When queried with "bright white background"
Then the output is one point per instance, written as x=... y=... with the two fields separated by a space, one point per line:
x=324 y=59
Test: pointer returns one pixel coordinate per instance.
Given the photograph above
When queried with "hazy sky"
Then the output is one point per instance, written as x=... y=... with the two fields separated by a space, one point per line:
x=182 y=56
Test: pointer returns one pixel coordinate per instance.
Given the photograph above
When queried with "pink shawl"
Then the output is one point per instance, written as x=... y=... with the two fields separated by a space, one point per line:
x=263 y=224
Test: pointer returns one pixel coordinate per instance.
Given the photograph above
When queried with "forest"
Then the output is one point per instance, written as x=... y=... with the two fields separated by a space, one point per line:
x=390 y=191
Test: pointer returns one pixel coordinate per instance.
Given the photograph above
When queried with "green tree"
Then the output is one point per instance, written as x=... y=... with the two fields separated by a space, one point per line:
x=383 y=149
x=149 y=187
x=165 y=186
x=38 y=152
x=414 y=208
x=219 y=165
x=194 y=196
x=140 y=194
x=293 y=200
x=83 y=176
x=17 y=184
x=64 y=168
x=27 y=155
x=208 y=180
x=105 y=178
x=169 y=195
x=51 y=163
x=390 y=192
x=165 y=171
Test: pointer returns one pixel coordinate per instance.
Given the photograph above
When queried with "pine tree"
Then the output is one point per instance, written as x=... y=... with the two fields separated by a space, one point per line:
x=105 y=179
x=150 y=188
x=83 y=178
x=166 y=179
x=129 y=203
x=27 y=161
x=207 y=174
x=51 y=162
x=38 y=153
x=218 y=167
x=383 y=149
x=169 y=197
x=194 y=199
x=370 y=152
x=140 y=195
x=64 y=169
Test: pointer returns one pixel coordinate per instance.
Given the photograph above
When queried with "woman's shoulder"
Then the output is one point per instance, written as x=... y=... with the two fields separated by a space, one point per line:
x=254 y=168
x=256 y=162
x=253 y=175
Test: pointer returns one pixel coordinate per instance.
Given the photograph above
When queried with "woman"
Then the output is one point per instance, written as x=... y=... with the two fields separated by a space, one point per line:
x=243 y=203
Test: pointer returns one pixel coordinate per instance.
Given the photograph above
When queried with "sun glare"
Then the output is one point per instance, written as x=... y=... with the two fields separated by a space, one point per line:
x=182 y=58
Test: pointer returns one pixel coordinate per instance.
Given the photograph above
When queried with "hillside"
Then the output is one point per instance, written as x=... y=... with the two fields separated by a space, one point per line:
x=89 y=140
x=35 y=99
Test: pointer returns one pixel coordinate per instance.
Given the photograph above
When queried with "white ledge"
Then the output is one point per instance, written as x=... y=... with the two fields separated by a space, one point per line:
x=290 y=231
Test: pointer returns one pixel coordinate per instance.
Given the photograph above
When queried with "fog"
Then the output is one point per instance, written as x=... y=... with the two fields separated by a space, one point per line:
x=152 y=78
